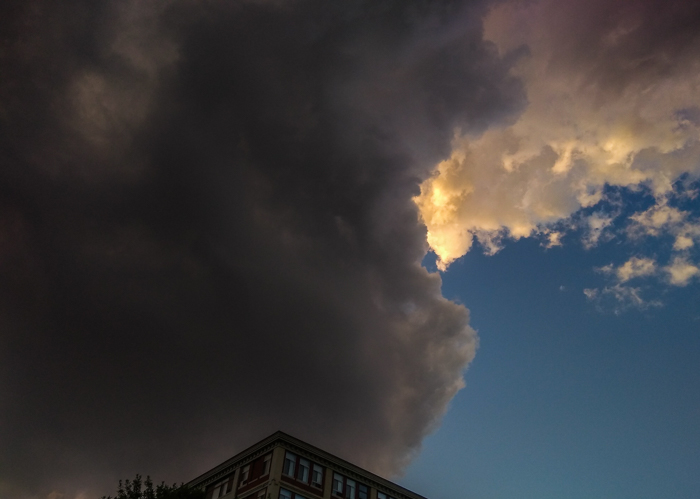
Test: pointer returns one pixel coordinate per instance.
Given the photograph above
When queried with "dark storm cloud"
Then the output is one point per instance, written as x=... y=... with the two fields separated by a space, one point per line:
x=207 y=233
x=625 y=42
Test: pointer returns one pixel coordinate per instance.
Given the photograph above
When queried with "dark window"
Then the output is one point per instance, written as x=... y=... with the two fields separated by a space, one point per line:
x=245 y=474
x=349 y=489
x=260 y=494
x=288 y=494
x=266 y=464
x=338 y=484
x=304 y=467
x=303 y=470
x=290 y=461
x=253 y=472
x=317 y=476
x=221 y=488
x=362 y=492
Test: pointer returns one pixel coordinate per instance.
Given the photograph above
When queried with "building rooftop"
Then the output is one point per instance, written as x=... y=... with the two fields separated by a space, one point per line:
x=283 y=467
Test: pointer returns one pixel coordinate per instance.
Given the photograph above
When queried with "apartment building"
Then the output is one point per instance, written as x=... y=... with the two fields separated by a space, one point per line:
x=283 y=467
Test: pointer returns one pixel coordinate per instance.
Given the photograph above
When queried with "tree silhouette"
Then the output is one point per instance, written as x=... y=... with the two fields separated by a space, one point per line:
x=138 y=489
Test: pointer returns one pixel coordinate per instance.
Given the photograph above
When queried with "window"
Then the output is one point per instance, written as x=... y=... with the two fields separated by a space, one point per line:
x=261 y=494
x=245 y=473
x=304 y=467
x=302 y=470
x=253 y=472
x=337 y=484
x=349 y=488
x=288 y=494
x=290 y=461
x=221 y=488
x=362 y=492
x=317 y=476
x=382 y=495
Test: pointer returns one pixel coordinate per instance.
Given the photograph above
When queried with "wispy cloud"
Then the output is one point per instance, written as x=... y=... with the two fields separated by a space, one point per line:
x=619 y=298
x=663 y=219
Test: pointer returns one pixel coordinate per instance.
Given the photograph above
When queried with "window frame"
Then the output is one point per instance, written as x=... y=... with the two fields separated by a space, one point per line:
x=349 y=488
x=254 y=472
x=304 y=470
x=245 y=470
x=303 y=474
x=267 y=464
x=292 y=494
x=292 y=458
x=314 y=468
x=225 y=483
x=360 y=487
x=355 y=486
x=335 y=491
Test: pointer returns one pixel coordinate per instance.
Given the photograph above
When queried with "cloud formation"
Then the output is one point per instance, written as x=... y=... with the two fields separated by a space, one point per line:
x=613 y=93
x=681 y=271
x=619 y=298
x=632 y=268
x=207 y=230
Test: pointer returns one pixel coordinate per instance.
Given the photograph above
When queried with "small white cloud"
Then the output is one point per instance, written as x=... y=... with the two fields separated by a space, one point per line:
x=683 y=242
x=635 y=267
x=681 y=271
x=553 y=238
x=590 y=293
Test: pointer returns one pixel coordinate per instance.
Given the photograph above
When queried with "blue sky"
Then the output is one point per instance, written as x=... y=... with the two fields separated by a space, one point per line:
x=567 y=398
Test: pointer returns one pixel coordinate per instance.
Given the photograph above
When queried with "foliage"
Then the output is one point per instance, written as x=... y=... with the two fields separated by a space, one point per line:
x=138 y=489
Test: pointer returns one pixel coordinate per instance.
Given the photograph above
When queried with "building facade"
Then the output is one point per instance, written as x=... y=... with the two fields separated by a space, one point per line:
x=283 y=467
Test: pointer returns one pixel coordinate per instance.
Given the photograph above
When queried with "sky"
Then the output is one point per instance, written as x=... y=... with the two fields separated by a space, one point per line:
x=454 y=242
